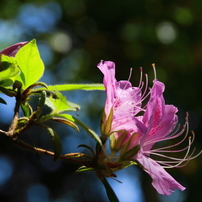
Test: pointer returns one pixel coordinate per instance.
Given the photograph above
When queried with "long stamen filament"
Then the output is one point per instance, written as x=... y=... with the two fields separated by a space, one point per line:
x=170 y=136
x=140 y=82
x=143 y=96
x=131 y=70
x=176 y=161
x=162 y=149
x=185 y=157
x=154 y=68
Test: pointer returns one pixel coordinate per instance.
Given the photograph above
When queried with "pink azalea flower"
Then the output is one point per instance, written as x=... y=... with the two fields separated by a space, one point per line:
x=124 y=99
x=157 y=124
x=12 y=50
x=160 y=120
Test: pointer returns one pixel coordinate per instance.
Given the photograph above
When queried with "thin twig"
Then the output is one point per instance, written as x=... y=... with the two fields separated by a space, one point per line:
x=50 y=153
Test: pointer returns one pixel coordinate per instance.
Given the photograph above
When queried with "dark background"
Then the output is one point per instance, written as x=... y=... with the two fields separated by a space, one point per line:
x=73 y=36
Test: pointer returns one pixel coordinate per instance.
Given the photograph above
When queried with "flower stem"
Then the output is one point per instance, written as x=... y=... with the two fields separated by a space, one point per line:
x=110 y=192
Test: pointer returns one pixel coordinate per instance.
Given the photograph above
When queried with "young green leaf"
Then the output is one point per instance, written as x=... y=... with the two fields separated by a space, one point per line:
x=9 y=71
x=61 y=104
x=30 y=63
x=56 y=142
x=42 y=99
x=27 y=109
x=65 y=121
x=84 y=169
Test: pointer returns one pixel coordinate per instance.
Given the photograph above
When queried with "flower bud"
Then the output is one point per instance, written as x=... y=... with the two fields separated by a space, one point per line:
x=106 y=125
x=12 y=50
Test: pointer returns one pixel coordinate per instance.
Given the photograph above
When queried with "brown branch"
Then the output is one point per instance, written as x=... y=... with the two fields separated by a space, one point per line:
x=11 y=130
x=69 y=157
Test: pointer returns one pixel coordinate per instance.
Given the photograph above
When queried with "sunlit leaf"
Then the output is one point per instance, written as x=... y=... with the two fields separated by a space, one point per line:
x=9 y=71
x=30 y=63
x=61 y=104
x=67 y=87
x=7 y=82
x=84 y=169
x=77 y=155
x=65 y=121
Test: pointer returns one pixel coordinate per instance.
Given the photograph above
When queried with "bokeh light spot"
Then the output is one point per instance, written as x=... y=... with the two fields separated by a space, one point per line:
x=61 y=42
x=166 y=32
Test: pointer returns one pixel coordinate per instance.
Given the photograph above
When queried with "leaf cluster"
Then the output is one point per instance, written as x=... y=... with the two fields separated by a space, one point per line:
x=19 y=78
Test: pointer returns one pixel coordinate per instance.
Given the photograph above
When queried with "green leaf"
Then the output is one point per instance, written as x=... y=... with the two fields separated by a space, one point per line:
x=107 y=124
x=117 y=143
x=42 y=99
x=65 y=121
x=56 y=142
x=30 y=63
x=124 y=148
x=87 y=147
x=7 y=82
x=61 y=104
x=110 y=192
x=23 y=120
x=130 y=153
x=10 y=70
x=85 y=127
x=2 y=101
x=84 y=169
x=67 y=87
x=27 y=109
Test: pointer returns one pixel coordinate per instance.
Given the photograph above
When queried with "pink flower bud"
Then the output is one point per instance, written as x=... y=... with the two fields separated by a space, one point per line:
x=12 y=50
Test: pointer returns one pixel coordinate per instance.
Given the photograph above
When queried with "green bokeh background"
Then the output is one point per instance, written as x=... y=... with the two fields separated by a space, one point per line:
x=73 y=36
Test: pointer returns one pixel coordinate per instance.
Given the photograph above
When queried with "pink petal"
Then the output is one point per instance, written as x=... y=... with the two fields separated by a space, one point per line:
x=108 y=69
x=163 y=182
x=128 y=98
x=160 y=119
x=120 y=95
x=155 y=105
